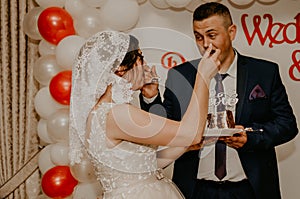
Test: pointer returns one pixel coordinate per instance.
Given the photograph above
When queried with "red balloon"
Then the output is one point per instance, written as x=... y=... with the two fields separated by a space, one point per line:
x=60 y=87
x=54 y=24
x=58 y=182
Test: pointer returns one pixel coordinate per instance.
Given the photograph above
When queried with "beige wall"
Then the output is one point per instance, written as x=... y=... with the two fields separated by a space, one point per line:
x=284 y=12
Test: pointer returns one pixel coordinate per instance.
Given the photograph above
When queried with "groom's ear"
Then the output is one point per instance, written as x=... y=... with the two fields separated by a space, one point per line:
x=232 y=31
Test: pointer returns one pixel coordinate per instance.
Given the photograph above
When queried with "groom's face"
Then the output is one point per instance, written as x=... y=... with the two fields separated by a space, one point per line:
x=217 y=31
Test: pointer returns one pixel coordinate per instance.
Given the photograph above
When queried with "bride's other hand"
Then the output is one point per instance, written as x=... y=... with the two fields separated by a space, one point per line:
x=204 y=142
x=150 y=89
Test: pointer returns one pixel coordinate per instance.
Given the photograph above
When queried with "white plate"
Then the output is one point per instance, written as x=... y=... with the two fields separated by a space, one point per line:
x=221 y=132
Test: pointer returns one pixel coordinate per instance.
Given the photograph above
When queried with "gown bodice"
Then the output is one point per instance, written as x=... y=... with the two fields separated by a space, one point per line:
x=124 y=164
x=127 y=170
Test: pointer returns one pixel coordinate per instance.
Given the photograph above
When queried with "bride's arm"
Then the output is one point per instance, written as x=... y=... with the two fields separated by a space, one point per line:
x=168 y=155
x=126 y=122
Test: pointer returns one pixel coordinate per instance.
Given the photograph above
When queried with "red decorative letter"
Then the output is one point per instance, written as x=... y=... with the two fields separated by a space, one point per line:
x=256 y=25
x=296 y=65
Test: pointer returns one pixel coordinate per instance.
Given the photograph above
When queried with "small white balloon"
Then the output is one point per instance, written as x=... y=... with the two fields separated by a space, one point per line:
x=44 y=104
x=267 y=1
x=58 y=125
x=178 y=3
x=160 y=4
x=241 y=2
x=30 y=26
x=88 y=23
x=52 y=3
x=120 y=15
x=88 y=191
x=83 y=171
x=46 y=48
x=42 y=196
x=67 y=50
x=45 y=67
x=211 y=0
x=59 y=154
x=44 y=159
x=141 y=1
x=193 y=5
x=42 y=131
x=75 y=7
x=95 y=3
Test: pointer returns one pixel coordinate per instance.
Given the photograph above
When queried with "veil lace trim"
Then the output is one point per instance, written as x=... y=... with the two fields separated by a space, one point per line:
x=121 y=91
x=93 y=71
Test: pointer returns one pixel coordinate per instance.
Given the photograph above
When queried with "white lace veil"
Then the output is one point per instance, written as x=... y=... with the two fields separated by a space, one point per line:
x=92 y=72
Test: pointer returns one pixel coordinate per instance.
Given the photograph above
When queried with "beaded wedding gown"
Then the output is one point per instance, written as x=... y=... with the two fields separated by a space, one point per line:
x=127 y=170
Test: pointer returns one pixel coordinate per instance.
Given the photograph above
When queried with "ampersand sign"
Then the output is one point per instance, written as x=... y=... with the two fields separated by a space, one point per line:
x=296 y=65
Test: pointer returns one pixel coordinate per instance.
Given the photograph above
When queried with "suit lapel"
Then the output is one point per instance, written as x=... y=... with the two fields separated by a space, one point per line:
x=242 y=77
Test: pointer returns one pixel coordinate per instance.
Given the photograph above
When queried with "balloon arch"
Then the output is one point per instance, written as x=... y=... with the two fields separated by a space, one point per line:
x=62 y=26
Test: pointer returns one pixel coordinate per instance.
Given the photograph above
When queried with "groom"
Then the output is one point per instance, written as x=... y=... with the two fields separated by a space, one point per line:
x=262 y=104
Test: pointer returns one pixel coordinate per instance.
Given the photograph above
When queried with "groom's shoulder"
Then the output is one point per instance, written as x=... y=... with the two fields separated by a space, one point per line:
x=187 y=65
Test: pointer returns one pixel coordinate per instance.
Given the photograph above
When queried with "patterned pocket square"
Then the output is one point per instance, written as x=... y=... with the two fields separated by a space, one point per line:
x=257 y=93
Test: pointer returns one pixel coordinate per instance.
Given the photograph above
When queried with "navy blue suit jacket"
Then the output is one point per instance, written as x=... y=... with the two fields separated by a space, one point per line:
x=272 y=113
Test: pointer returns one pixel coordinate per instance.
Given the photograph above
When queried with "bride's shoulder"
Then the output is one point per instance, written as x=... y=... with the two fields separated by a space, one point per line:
x=125 y=112
x=123 y=106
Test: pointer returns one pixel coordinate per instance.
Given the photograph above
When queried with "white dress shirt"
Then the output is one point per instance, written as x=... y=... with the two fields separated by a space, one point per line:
x=234 y=168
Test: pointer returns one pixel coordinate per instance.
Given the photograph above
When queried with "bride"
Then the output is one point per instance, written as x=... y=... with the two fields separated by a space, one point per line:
x=119 y=139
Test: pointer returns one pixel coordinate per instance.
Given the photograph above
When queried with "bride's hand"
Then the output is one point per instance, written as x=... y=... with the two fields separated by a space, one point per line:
x=209 y=63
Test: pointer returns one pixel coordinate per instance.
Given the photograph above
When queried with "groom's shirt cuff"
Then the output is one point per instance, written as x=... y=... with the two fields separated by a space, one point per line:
x=149 y=100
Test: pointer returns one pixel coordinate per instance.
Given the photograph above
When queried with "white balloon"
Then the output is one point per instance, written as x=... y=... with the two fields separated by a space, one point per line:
x=211 y=0
x=42 y=196
x=75 y=7
x=83 y=171
x=178 y=3
x=120 y=15
x=30 y=26
x=67 y=50
x=193 y=5
x=44 y=104
x=95 y=3
x=46 y=48
x=52 y=3
x=45 y=67
x=241 y=2
x=59 y=154
x=88 y=23
x=141 y=1
x=42 y=131
x=160 y=4
x=88 y=191
x=58 y=125
x=44 y=160
x=267 y=1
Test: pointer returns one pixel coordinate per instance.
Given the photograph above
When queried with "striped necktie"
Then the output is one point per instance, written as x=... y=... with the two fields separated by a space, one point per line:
x=220 y=150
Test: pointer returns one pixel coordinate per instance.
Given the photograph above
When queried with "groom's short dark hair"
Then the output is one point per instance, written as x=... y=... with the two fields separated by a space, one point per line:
x=207 y=10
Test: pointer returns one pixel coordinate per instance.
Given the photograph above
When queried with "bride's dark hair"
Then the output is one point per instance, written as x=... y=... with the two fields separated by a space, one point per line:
x=132 y=53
